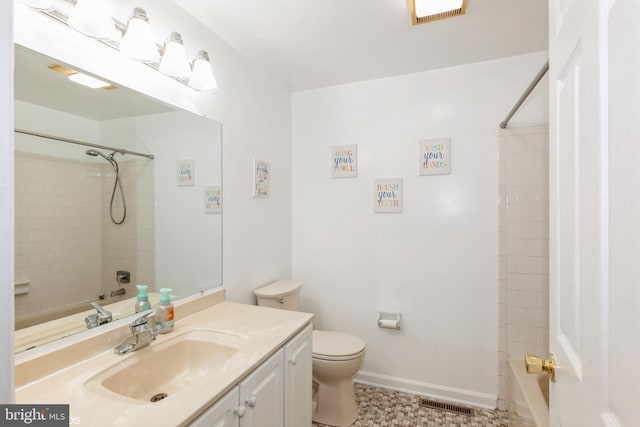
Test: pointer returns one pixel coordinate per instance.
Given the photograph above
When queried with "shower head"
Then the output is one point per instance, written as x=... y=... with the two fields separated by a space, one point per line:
x=96 y=153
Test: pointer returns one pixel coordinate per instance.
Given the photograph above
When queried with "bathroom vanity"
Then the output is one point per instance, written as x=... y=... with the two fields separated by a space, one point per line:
x=232 y=363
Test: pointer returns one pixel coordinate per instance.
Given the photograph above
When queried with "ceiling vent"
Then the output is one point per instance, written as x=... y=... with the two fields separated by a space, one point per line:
x=423 y=11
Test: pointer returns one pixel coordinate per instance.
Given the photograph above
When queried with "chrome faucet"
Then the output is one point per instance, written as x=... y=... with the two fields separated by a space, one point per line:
x=96 y=319
x=143 y=331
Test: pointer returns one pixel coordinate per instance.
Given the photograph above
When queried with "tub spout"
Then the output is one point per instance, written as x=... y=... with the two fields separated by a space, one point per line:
x=118 y=292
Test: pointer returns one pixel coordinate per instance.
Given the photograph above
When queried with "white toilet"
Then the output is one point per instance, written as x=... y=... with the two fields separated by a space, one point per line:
x=337 y=357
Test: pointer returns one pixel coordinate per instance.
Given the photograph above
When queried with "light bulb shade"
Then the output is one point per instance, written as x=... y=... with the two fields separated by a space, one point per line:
x=174 y=62
x=93 y=18
x=40 y=4
x=202 y=78
x=138 y=42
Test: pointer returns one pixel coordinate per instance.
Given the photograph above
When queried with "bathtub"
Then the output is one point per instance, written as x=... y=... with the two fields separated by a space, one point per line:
x=528 y=397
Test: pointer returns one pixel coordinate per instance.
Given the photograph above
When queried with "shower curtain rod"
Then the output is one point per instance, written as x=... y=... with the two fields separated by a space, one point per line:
x=88 y=144
x=526 y=93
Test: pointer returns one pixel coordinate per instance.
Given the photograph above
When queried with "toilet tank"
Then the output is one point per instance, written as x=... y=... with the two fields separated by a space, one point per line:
x=283 y=294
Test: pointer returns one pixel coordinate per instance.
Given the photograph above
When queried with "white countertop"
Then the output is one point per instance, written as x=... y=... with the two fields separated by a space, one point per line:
x=265 y=330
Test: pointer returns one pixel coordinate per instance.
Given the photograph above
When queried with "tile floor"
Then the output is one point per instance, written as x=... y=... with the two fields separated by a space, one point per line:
x=387 y=408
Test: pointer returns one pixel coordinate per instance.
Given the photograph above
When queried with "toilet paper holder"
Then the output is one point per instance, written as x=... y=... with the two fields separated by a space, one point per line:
x=389 y=320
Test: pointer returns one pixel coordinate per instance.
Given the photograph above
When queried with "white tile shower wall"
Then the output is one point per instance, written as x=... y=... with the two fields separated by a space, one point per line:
x=523 y=242
x=129 y=246
x=57 y=231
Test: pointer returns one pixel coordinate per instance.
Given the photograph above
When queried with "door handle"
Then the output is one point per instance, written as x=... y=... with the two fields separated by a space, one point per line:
x=537 y=365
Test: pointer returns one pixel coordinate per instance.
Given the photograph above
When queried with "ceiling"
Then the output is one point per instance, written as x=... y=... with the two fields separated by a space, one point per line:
x=35 y=83
x=308 y=44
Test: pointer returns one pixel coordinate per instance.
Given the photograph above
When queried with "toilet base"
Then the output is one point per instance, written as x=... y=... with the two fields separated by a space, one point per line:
x=335 y=403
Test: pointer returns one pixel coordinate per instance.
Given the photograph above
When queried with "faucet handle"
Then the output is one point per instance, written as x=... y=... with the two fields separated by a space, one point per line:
x=144 y=322
x=103 y=315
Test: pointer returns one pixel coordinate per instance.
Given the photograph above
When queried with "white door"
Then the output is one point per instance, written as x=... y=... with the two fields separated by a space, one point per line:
x=262 y=393
x=594 y=211
x=223 y=413
x=298 y=381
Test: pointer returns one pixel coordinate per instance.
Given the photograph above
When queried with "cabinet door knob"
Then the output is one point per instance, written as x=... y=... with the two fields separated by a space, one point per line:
x=293 y=360
x=241 y=410
x=251 y=402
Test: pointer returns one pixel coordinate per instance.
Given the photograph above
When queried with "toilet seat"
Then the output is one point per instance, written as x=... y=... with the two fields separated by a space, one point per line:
x=336 y=346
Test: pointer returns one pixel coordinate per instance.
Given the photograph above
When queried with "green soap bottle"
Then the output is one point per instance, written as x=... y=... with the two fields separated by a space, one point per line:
x=142 y=303
x=164 y=312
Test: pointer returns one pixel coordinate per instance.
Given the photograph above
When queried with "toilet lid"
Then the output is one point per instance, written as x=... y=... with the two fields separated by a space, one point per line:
x=336 y=344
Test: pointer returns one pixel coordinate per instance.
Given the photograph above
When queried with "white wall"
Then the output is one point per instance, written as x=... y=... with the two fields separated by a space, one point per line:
x=253 y=109
x=6 y=203
x=435 y=262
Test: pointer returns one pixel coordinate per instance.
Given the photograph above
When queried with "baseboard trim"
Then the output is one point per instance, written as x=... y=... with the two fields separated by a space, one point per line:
x=449 y=394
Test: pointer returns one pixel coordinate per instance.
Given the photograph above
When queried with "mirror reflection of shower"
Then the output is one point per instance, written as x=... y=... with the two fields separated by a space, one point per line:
x=116 y=185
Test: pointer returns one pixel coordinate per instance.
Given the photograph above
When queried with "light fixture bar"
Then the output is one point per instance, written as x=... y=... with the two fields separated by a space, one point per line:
x=423 y=11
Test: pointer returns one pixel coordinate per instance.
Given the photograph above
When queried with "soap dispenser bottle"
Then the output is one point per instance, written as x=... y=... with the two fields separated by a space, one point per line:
x=142 y=303
x=164 y=312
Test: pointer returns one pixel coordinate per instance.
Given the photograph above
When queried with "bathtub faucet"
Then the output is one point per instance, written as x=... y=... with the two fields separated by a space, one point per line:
x=96 y=319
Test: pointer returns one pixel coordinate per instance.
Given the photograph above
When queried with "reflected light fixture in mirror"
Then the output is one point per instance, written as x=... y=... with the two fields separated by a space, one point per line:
x=174 y=62
x=138 y=42
x=88 y=81
x=202 y=76
x=93 y=18
x=40 y=4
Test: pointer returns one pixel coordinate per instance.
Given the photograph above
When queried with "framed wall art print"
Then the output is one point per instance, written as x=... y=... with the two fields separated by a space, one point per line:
x=344 y=161
x=261 y=178
x=435 y=156
x=387 y=195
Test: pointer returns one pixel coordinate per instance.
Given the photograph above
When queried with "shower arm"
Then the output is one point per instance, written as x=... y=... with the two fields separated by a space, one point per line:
x=87 y=144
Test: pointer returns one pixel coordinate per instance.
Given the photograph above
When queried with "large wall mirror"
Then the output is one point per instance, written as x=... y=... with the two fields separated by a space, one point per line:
x=73 y=243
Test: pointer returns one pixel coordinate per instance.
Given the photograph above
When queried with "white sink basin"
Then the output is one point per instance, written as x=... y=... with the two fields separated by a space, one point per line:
x=163 y=368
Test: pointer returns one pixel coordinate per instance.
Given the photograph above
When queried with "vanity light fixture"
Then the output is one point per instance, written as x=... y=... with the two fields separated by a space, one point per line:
x=202 y=76
x=93 y=18
x=174 y=62
x=423 y=11
x=137 y=41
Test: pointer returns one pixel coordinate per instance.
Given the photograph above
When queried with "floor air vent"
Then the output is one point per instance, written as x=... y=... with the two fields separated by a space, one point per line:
x=458 y=409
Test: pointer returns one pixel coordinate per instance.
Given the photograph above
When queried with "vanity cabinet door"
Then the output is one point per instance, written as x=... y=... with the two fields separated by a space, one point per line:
x=262 y=393
x=222 y=413
x=298 y=380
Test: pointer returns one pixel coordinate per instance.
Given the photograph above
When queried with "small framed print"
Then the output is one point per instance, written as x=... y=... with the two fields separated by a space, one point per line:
x=213 y=200
x=435 y=156
x=344 y=161
x=387 y=195
x=186 y=173
x=261 y=178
